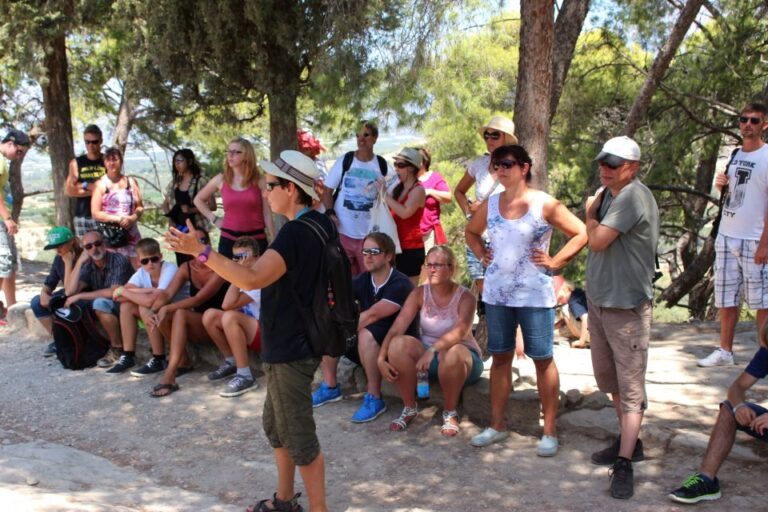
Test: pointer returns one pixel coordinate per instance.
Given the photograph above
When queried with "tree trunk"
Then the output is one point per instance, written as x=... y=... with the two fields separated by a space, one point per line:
x=17 y=188
x=58 y=123
x=568 y=26
x=660 y=66
x=534 y=83
x=282 y=121
x=126 y=114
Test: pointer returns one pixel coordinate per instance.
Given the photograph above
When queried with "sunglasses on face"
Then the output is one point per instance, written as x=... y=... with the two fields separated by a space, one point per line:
x=436 y=266
x=92 y=141
x=97 y=243
x=747 y=119
x=180 y=160
x=609 y=166
x=402 y=165
x=240 y=256
x=272 y=185
x=363 y=135
x=233 y=152
x=504 y=164
x=153 y=259
x=491 y=135
x=373 y=251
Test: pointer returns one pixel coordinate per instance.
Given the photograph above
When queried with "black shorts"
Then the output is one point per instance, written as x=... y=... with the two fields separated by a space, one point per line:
x=410 y=261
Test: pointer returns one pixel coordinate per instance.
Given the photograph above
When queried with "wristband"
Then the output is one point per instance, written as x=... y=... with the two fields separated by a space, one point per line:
x=118 y=291
x=432 y=349
x=85 y=185
x=736 y=408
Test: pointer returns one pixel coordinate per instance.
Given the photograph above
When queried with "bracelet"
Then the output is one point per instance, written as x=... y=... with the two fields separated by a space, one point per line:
x=432 y=349
x=737 y=407
x=119 y=291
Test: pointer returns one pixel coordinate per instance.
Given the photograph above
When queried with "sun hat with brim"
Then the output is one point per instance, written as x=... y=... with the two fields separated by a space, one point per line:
x=619 y=150
x=410 y=155
x=502 y=124
x=58 y=236
x=295 y=167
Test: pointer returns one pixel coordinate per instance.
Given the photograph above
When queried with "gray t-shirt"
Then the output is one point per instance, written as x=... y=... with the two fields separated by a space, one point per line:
x=621 y=276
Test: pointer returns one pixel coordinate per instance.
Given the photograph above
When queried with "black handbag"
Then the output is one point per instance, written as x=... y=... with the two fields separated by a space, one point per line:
x=113 y=234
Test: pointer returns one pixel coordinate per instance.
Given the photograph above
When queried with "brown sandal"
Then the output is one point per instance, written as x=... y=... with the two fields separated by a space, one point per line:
x=277 y=505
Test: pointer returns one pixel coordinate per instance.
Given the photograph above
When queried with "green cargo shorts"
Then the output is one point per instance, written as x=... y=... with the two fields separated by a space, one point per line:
x=287 y=418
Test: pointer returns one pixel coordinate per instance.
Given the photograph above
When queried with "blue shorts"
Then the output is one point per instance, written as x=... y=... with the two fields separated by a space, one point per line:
x=105 y=305
x=536 y=323
x=758 y=411
x=474 y=373
x=38 y=309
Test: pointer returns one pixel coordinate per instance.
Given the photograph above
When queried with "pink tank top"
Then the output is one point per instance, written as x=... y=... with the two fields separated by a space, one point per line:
x=436 y=321
x=243 y=212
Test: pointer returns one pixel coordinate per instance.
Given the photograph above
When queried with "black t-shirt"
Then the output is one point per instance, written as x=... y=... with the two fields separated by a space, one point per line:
x=283 y=335
x=395 y=290
x=56 y=274
x=88 y=171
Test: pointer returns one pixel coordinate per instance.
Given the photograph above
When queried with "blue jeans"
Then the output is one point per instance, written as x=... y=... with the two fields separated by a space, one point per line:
x=38 y=309
x=536 y=323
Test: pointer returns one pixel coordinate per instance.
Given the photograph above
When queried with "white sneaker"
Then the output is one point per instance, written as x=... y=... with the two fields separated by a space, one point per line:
x=717 y=358
x=547 y=446
x=488 y=436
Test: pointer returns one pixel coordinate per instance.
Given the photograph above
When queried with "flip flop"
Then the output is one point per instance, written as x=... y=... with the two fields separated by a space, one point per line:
x=157 y=391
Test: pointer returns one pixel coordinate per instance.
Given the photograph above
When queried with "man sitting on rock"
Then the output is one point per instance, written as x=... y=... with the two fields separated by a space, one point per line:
x=381 y=291
x=735 y=414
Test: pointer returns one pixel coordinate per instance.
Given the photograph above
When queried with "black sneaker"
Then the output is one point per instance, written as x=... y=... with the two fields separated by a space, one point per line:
x=697 y=488
x=50 y=350
x=609 y=456
x=622 y=480
x=154 y=365
x=123 y=363
x=225 y=370
x=237 y=386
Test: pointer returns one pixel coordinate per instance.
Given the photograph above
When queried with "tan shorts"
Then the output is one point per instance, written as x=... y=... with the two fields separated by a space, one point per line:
x=619 y=342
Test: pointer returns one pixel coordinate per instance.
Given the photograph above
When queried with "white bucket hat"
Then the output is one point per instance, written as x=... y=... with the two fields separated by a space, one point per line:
x=502 y=124
x=295 y=167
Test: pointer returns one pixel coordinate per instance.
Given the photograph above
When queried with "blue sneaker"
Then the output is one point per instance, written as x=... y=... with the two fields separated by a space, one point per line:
x=371 y=409
x=325 y=395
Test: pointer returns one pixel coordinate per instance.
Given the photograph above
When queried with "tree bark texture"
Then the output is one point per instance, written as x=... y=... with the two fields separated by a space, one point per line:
x=534 y=83
x=660 y=65
x=58 y=122
x=126 y=114
x=17 y=188
x=568 y=26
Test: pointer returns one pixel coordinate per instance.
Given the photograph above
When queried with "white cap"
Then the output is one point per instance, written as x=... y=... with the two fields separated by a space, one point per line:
x=622 y=147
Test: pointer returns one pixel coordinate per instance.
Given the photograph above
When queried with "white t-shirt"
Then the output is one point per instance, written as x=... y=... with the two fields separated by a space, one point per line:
x=484 y=180
x=744 y=210
x=142 y=279
x=252 y=309
x=357 y=195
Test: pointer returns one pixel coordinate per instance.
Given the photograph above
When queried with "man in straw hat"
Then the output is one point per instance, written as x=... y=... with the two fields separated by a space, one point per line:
x=285 y=273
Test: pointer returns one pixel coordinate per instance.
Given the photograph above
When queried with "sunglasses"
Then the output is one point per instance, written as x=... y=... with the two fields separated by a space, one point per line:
x=436 y=266
x=272 y=185
x=240 y=256
x=491 y=135
x=505 y=164
x=363 y=135
x=233 y=152
x=92 y=141
x=753 y=120
x=609 y=166
x=402 y=165
x=373 y=251
x=180 y=160
x=97 y=243
x=153 y=259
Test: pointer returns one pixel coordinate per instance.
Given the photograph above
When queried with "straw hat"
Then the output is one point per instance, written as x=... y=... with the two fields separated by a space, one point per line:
x=295 y=167
x=502 y=124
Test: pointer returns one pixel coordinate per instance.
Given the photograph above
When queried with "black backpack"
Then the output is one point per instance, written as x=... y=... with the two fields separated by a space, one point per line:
x=332 y=316
x=76 y=333
x=347 y=163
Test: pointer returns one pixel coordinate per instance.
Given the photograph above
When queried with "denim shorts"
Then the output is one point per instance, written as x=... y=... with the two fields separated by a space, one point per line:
x=536 y=323
x=105 y=305
x=38 y=309
x=758 y=412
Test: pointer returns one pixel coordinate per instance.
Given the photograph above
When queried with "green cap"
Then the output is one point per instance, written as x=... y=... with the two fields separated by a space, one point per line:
x=57 y=236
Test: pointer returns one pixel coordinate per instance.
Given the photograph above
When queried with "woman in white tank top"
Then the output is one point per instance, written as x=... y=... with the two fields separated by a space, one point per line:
x=518 y=286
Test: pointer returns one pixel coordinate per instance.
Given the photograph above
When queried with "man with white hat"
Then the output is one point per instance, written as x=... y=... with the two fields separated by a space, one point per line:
x=286 y=273
x=623 y=228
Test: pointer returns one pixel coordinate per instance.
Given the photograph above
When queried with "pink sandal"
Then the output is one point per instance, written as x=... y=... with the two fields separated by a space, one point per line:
x=405 y=419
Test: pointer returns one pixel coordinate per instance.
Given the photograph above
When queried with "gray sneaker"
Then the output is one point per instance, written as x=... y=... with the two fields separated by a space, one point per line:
x=110 y=358
x=225 y=370
x=50 y=349
x=237 y=386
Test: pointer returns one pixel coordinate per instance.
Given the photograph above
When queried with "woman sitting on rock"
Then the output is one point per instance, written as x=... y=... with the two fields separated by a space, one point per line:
x=446 y=349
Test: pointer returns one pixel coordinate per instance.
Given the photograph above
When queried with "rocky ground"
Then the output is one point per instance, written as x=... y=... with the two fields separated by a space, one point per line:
x=88 y=441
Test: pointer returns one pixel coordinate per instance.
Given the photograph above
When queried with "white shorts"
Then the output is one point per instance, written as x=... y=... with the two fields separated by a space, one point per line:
x=735 y=268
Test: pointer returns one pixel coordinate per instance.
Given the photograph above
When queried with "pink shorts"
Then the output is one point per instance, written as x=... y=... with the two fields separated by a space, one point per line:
x=354 y=249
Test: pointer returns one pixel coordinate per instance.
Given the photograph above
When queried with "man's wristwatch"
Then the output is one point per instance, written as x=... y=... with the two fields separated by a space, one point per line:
x=203 y=256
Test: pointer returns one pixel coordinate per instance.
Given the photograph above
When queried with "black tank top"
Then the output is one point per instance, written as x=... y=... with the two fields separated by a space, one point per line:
x=88 y=171
x=214 y=302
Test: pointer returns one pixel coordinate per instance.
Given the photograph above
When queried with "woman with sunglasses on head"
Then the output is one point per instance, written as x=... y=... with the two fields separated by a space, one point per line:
x=116 y=200
x=406 y=203
x=518 y=289
x=498 y=132
x=186 y=181
x=446 y=350
x=182 y=321
x=245 y=211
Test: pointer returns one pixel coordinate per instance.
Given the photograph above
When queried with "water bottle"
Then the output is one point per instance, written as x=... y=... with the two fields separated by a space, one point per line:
x=422 y=384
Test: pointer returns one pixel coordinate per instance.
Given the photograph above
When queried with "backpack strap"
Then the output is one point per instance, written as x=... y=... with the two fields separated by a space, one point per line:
x=345 y=165
x=321 y=233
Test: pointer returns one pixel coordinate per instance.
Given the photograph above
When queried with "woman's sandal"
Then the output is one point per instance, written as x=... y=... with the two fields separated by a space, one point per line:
x=450 y=429
x=277 y=505
x=162 y=390
x=405 y=419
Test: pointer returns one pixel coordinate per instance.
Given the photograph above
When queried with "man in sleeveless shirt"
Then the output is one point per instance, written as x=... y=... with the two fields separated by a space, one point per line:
x=84 y=171
x=741 y=246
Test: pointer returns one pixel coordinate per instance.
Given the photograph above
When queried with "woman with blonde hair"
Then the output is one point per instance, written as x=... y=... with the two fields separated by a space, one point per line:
x=245 y=211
